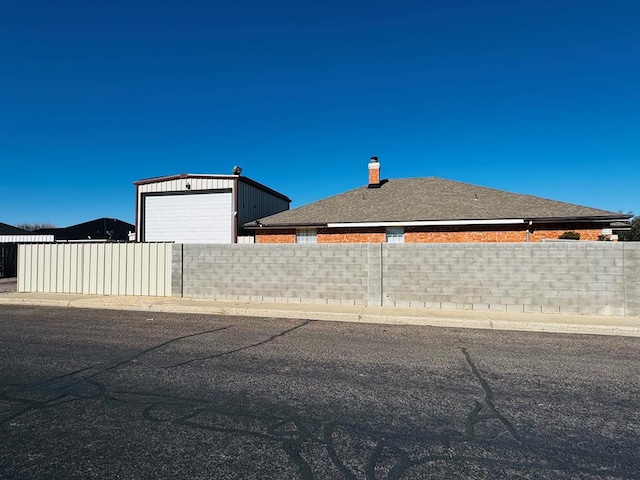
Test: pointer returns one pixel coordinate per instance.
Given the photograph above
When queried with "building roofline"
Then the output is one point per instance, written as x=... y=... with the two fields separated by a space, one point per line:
x=425 y=223
x=181 y=176
x=589 y=218
x=256 y=225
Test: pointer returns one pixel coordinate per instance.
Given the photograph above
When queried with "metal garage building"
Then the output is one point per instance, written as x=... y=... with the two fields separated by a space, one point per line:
x=194 y=208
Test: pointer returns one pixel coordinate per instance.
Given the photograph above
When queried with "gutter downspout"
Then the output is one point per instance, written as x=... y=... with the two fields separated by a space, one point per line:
x=529 y=230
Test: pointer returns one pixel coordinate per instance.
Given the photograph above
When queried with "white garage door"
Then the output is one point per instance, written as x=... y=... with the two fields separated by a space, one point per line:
x=190 y=218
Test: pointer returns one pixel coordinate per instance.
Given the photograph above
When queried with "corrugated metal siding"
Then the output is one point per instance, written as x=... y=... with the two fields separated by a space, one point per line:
x=254 y=203
x=180 y=185
x=177 y=185
x=26 y=238
x=142 y=269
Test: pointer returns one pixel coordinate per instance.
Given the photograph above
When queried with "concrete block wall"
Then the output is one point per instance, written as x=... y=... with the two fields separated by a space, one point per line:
x=632 y=278
x=594 y=278
x=273 y=273
x=556 y=277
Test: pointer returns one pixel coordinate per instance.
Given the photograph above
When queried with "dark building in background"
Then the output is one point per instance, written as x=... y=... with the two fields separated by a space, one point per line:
x=98 y=230
x=9 y=249
x=6 y=229
x=106 y=229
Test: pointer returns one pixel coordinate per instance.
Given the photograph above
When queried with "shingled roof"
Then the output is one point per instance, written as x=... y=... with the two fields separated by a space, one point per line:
x=431 y=199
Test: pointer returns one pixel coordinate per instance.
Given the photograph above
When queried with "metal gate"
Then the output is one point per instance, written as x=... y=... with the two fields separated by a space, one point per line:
x=8 y=260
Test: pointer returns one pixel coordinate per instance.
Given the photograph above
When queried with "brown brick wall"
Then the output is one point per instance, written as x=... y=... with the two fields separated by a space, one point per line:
x=552 y=232
x=352 y=235
x=540 y=235
x=515 y=233
x=325 y=235
x=275 y=236
x=464 y=236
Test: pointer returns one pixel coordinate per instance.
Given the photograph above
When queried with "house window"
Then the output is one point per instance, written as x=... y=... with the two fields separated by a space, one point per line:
x=395 y=235
x=306 y=235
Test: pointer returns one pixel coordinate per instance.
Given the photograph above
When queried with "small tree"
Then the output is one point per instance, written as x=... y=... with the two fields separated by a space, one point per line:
x=569 y=236
x=632 y=235
x=32 y=227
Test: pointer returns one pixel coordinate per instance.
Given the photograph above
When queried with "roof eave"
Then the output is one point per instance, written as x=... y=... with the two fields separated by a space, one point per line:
x=452 y=222
x=182 y=176
x=580 y=219
x=179 y=176
x=258 y=226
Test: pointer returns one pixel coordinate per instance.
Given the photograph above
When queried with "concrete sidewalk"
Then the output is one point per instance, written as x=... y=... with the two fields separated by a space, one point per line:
x=531 y=322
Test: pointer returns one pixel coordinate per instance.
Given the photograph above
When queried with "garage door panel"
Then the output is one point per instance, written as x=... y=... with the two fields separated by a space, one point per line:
x=190 y=218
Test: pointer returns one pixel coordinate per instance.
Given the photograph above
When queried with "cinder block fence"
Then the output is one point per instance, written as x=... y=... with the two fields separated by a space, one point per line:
x=595 y=278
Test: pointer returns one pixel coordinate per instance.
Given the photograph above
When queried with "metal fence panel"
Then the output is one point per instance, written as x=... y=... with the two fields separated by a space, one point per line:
x=142 y=269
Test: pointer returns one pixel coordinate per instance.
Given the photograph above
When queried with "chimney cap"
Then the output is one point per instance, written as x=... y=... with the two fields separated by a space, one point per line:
x=373 y=160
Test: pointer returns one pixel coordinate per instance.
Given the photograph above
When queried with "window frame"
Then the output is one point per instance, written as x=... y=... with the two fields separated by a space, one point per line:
x=306 y=236
x=394 y=235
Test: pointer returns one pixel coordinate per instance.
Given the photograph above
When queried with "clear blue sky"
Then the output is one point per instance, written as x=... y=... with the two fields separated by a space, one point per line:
x=539 y=97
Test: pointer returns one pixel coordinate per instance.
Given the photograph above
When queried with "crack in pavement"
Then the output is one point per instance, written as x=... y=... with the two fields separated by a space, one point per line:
x=240 y=349
x=125 y=361
x=70 y=392
x=385 y=452
x=474 y=416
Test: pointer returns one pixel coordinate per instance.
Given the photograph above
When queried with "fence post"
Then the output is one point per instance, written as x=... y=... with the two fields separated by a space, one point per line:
x=374 y=277
x=177 y=270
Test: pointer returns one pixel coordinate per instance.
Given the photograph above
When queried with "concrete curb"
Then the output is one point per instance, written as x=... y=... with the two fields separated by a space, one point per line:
x=450 y=319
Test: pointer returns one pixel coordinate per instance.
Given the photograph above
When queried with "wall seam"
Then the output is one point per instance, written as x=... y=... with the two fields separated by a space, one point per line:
x=624 y=279
x=381 y=263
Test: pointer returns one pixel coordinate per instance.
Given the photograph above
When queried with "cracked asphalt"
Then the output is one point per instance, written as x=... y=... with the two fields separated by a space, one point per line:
x=134 y=395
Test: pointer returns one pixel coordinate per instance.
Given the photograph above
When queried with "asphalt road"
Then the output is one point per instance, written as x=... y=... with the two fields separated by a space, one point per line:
x=8 y=284
x=132 y=395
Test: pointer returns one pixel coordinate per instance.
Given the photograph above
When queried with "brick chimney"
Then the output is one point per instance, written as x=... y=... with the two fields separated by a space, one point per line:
x=374 y=173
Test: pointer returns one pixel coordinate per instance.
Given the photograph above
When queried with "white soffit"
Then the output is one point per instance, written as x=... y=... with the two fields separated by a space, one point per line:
x=428 y=223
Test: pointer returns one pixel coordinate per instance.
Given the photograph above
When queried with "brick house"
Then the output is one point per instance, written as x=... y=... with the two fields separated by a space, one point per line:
x=432 y=210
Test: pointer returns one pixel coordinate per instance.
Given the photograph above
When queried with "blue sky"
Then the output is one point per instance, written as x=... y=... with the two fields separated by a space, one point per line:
x=538 y=97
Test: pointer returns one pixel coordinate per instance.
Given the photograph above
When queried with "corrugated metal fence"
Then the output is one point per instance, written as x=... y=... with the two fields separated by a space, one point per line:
x=96 y=268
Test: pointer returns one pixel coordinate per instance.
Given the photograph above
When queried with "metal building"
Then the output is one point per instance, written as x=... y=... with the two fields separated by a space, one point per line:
x=105 y=229
x=194 y=208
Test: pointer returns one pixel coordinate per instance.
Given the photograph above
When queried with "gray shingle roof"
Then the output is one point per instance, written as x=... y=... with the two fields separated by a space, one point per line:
x=431 y=198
